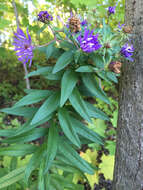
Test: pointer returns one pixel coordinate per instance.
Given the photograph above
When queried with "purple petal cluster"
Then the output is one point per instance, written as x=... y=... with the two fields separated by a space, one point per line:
x=127 y=51
x=23 y=46
x=111 y=10
x=89 y=42
x=84 y=22
x=45 y=17
x=120 y=26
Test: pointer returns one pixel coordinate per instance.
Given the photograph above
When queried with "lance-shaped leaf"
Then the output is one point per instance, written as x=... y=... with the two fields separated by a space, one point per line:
x=33 y=97
x=27 y=112
x=85 y=132
x=85 y=69
x=67 y=127
x=69 y=81
x=79 y=104
x=49 y=106
x=63 y=61
x=52 y=145
x=95 y=112
x=12 y=177
x=49 y=50
x=18 y=150
x=73 y=157
x=92 y=85
x=112 y=76
x=27 y=136
x=40 y=71
x=35 y=160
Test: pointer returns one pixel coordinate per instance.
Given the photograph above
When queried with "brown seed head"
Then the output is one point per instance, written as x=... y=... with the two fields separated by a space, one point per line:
x=115 y=67
x=74 y=24
x=127 y=29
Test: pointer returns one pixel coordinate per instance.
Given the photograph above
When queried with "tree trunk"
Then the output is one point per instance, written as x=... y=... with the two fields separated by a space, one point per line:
x=128 y=171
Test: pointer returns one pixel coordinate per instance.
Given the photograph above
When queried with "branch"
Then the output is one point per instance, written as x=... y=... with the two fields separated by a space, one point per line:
x=18 y=23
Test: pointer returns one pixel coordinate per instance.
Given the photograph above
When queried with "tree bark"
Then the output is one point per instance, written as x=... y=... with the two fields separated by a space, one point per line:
x=128 y=170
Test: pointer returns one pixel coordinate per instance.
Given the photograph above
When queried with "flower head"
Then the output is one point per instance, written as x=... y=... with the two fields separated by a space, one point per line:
x=74 y=24
x=120 y=26
x=45 y=17
x=111 y=10
x=23 y=46
x=84 y=22
x=115 y=67
x=88 y=42
x=127 y=51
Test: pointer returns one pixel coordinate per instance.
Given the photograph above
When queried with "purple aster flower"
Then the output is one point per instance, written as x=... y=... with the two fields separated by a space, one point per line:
x=84 y=22
x=127 y=51
x=111 y=10
x=45 y=17
x=23 y=46
x=89 y=42
x=120 y=26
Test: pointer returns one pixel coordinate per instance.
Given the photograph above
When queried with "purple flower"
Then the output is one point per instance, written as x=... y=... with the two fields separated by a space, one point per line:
x=45 y=17
x=120 y=26
x=23 y=46
x=111 y=10
x=127 y=51
x=89 y=42
x=84 y=22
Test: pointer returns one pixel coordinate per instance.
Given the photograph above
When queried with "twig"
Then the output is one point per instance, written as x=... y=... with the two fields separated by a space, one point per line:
x=18 y=23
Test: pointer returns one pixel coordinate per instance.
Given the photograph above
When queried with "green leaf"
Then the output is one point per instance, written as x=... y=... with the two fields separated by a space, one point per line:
x=33 y=97
x=85 y=69
x=79 y=105
x=65 y=44
x=35 y=161
x=77 y=56
x=13 y=177
x=65 y=59
x=49 y=106
x=27 y=112
x=27 y=136
x=56 y=76
x=52 y=146
x=97 y=60
x=49 y=50
x=17 y=150
x=92 y=85
x=67 y=127
x=95 y=112
x=28 y=127
x=112 y=76
x=41 y=177
x=73 y=157
x=7 y=132
x=68 y=83
x=40 y=71
x=85 y=132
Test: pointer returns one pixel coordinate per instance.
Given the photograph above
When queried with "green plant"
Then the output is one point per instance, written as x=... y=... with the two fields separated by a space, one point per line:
x=57 y=118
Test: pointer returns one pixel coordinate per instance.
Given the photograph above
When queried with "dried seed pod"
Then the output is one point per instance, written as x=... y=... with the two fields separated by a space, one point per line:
x=127 y=29
x=74 y=24
x=115 y=67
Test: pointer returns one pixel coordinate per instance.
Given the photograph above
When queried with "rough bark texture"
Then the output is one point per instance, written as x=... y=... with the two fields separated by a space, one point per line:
x=128 y=172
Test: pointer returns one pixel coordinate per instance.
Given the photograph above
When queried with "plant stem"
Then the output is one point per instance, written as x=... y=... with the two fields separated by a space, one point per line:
x=18 y=23
x=26 y=79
